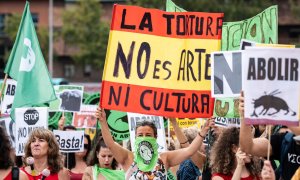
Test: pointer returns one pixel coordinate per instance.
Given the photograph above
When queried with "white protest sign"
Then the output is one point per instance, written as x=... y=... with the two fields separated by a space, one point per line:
x=86 y=117
x=271 y=85
x=134 y=119
x=28 y=119
x=227 y=122
x=226 y=73
x=246 y=43
x=10 y=127
x=70 y=141
x=8 y=98
x=69 y=98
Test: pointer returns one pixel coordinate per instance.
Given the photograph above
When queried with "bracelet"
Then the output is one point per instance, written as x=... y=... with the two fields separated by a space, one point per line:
x=201 y=135
x=185 y=142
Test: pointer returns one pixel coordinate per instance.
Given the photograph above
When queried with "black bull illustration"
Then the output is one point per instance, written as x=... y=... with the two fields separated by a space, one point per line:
x=270 y=101
x=71 y=100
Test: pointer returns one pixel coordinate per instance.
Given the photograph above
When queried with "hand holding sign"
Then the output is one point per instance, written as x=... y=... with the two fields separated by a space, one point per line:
x=100 y=114
x=208 y=124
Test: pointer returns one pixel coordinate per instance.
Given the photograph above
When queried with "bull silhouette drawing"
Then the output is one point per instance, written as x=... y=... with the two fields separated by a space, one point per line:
x=270 y=101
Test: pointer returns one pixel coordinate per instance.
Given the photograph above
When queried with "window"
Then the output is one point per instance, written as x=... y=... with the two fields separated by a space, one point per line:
x=87 y=70
x=35 y=19
x=69 y=70
x=2 y=23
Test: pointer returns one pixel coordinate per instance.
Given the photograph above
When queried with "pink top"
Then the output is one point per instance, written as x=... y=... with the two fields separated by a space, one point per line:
x=229 y=177
x=75 y=176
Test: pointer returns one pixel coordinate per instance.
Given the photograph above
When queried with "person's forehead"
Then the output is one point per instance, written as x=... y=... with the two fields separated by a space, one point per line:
x=104 y=150
x=144 y=128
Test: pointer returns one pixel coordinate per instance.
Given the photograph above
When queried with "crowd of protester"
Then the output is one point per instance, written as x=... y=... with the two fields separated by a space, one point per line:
x=230 y=153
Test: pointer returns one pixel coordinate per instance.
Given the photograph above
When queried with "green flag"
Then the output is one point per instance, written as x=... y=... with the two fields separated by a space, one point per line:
x=27 y=66
x=172 y=7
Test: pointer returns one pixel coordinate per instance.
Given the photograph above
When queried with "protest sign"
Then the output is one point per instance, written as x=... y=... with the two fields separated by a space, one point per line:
x=276 y=73
x=227 y=107
x=10 y=126
x=226 y=73
x=159 y=63
x=220 y=73
x=262 y=28
x=86 y=117
x=28 y=119
x=246 y=43
x=118 y=124
x=70 y=142
x=136 y=119
x=91 y=132
x=227 y=122
x=188 y=122
x=9 y=94
x=274 y=45
x=69 y=98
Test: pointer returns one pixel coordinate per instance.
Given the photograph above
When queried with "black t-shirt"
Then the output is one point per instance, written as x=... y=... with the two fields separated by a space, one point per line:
x=291 y=160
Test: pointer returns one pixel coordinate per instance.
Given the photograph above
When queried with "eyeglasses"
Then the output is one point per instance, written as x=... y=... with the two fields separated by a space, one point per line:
x=86 y=146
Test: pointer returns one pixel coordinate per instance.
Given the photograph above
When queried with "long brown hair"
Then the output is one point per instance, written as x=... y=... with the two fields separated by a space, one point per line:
x=54 y=158
x=93 y=159
x=222 y=158
x=5 y=148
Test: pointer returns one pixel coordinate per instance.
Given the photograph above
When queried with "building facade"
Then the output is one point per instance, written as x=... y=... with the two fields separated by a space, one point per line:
x=63 y=65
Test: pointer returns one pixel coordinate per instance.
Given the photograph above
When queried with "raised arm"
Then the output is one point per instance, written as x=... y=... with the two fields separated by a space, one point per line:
x=295 y=129
x=240 y=158
x=257 y=146
x=173 y=158
x=198 y=158
x=122 y=155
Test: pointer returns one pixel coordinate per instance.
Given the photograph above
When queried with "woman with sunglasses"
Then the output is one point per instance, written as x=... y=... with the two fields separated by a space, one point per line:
x=77 y=162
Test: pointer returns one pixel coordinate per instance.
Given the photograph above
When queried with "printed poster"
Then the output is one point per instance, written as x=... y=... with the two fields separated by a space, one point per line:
x=276 y=73
x=69 y=98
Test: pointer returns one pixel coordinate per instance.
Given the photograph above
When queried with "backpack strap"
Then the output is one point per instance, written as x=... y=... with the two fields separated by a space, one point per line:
x=15 y=173
x=285 y=146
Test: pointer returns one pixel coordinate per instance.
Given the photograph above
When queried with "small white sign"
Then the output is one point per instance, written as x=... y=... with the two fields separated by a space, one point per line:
x=10 y=127
x=28 y=119
x=86 y=117
x=227 y=122
x=9 y=94
x=134 y=119
x=70 y=141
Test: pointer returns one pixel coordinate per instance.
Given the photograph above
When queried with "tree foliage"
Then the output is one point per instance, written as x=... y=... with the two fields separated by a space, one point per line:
x=12 y=24
x=83 y=28
x=234 y=10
